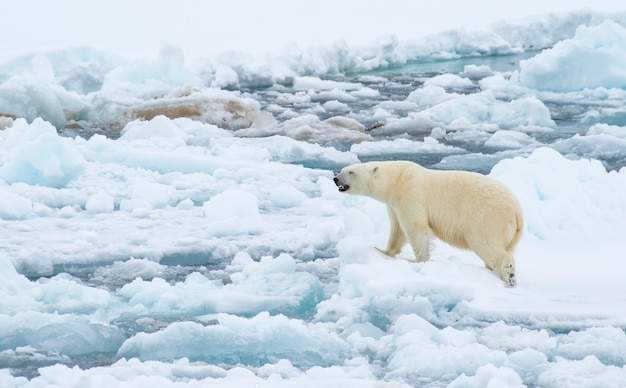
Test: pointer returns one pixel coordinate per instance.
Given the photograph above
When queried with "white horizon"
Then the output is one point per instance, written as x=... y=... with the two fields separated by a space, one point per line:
x=210 y=27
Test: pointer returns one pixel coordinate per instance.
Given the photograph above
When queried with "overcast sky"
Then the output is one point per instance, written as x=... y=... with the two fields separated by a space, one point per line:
x=204 y=27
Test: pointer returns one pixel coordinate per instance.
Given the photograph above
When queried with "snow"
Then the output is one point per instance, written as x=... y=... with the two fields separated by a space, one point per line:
x=386 y=308
x=595 y=51
x=168 y=214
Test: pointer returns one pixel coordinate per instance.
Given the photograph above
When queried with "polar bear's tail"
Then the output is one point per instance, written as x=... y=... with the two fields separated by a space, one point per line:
x=518 y=232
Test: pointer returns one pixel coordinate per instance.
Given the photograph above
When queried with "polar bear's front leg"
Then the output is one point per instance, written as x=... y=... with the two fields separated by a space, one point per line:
x=397 y=238
x=417 y=231
x=420 y=241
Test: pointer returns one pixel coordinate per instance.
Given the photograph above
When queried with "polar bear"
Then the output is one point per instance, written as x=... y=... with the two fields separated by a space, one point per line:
x=465 y=209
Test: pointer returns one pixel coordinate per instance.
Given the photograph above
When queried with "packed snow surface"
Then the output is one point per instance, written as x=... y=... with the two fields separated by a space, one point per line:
x=170 y=219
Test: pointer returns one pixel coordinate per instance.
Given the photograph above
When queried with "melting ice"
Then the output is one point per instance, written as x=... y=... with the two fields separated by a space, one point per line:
x=172 y=224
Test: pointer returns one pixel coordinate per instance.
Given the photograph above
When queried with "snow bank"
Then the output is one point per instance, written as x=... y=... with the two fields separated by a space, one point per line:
x=597 y=52
x=548 y=202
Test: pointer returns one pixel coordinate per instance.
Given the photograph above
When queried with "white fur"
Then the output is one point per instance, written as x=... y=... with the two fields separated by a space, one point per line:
x=464 y=209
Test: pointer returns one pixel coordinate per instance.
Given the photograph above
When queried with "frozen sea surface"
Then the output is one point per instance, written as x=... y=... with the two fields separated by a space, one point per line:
x=171 y=223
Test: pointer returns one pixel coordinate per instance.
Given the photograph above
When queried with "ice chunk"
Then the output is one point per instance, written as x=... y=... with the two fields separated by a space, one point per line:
x=149 y=195
x=429 y=95
x=159 y=126
x=38 y=156
x=605 y=129
x=271 y=285
x=224 y=76
x=336 y=96
x=222 y=108
x=167 y=87
x=484 y=108
x=478 y=110
x=400 y=146
x=75 y=338
x=450 y=81
x=583 y=373
x=233 y=212
x=603 y=342
x=597 y=146
x=14 y=207
x=235 y=340
x=420 y=349
x=38 y=94
x=306 y=83
x=386 y=289
x=336 y=106
x=286 y=196
x=489 y=376
x=509 y=140
x=151 y=79
x=475 y=72
x=499 y=335
x=101 y=202
x=311 y=128
x=131 y=269
x=528 y=363
x=345 y=122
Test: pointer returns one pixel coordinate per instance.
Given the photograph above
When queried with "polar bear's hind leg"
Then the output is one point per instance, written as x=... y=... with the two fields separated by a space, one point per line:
x=498 y=260
x=506 y=270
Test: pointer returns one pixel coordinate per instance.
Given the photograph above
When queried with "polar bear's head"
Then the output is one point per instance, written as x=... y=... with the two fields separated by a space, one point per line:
x=357 y=178
x=378 y=180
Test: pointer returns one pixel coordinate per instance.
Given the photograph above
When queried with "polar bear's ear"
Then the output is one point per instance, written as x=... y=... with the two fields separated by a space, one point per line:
x=374 y=170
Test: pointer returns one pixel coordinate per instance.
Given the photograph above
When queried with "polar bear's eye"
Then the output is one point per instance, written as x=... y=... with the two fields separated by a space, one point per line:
x=350 y=172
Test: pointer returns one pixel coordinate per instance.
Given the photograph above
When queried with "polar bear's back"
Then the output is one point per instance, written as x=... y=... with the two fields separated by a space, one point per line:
x=466 y=207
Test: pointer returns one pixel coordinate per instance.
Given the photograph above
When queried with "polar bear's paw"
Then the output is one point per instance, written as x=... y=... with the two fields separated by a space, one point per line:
x=508 y=274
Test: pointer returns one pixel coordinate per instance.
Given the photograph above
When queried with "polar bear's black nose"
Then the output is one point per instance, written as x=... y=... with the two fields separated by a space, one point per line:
x=336 y=180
